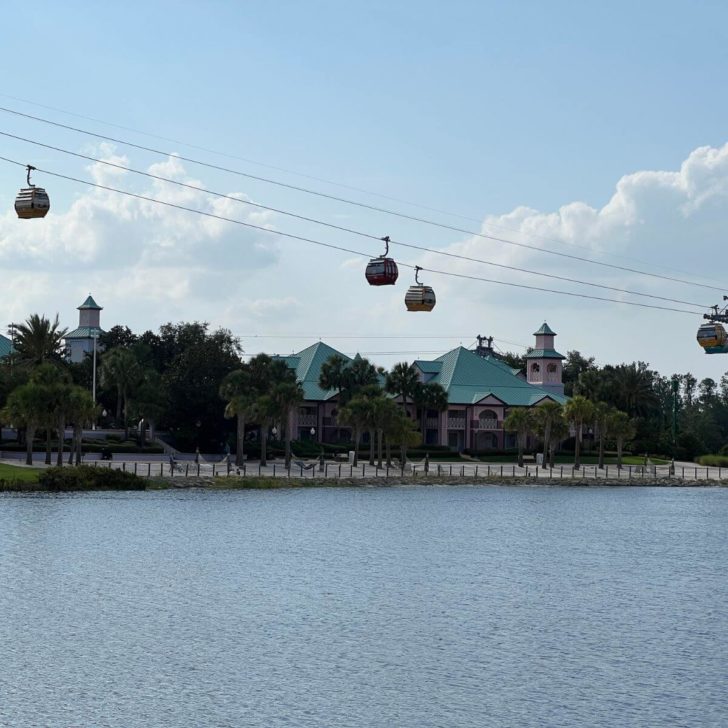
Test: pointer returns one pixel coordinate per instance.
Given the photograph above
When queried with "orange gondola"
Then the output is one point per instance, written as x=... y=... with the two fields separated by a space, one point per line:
x=382 y=271
x=711 y=335
x=419 y=297
x=32 y=201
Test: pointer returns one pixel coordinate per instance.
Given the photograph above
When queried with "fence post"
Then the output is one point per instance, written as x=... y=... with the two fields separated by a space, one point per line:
x=161 y=468
x=149 y=469
x=451 y=470
x=274 y=470
x=135 y=467
x=513 y=471
x=213 y=470
x=123 y=467
x=187 y=470
x=301 y=473
x=198 y=470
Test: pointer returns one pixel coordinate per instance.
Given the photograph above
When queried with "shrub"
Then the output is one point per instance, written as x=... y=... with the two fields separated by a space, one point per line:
x=715 y=461
x=85 y=477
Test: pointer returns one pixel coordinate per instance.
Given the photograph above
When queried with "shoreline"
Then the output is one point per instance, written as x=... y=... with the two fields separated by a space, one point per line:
x=269 y=483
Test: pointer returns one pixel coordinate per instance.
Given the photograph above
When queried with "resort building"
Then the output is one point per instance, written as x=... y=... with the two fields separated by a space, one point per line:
x=481 y=389
x=82 y=340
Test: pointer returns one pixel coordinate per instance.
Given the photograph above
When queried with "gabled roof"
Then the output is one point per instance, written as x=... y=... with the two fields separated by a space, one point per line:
x=84 y=332
x=6 y=346
x=307 y=365
x=428 y=367
x=90 y=303
x=545 y=330
x=500 y=363
x=468 y=378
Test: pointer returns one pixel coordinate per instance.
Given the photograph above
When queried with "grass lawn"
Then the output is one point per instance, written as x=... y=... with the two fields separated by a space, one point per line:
x=12 y=472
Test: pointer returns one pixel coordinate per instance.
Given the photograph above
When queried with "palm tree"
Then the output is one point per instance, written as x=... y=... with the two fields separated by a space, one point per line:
x=402 y=431
x=622 y=428
x=356 y=414
x=81 y=410
x=602 y=415
x=633 y=386
x=577 y=411
x=360 y=374
x=544 y=417
x=383 y=412
x=520 y=421
x=286 y=397
x=120 y=368
x=430 y=396
x=559 y=431
x=55 y=384
x=26 y=407
x=403 y=381
x=38 y=339
x=237 y=389
x=334 y=374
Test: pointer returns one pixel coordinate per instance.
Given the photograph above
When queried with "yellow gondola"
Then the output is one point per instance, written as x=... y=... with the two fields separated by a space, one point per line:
x=711 y=335
x=32 y=201
x=419 y=297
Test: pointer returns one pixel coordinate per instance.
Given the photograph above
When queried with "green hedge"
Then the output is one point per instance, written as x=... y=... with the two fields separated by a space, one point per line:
x=715 y=461
x=85 y=477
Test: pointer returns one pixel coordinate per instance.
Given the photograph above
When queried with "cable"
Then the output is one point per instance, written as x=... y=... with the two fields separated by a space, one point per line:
x=341 y=248
x=352 y=231
x=363 y=205
x=335 y=184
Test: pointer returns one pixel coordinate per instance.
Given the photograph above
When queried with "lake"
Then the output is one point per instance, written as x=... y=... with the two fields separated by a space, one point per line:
x=405 y=607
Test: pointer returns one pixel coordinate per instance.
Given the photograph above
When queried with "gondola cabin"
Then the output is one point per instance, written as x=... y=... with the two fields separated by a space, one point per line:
x=382 y=272
x=420 y=298
x=712 y=335
x=32 y=202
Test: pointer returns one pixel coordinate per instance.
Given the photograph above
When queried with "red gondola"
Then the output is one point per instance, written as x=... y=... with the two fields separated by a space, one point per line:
x=382 y=271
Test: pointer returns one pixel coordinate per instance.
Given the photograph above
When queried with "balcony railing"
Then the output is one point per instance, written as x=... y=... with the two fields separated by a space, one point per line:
x=307 y=421
x=432 y=423
x=330 y=422
x=485 y=424
x=456 y=423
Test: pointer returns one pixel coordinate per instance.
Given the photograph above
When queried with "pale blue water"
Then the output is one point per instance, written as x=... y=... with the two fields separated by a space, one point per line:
x=403 y=607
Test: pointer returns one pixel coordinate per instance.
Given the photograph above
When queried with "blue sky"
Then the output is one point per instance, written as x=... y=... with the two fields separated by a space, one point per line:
x=471 y=107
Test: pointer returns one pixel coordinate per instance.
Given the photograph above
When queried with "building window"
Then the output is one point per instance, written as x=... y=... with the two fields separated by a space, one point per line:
x=535 y=368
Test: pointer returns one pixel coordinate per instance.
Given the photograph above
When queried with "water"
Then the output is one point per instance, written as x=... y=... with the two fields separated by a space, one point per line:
x=403 y=607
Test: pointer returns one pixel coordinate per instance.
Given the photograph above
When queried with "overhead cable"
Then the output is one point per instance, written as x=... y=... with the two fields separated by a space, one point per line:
x=341 y=248
x=351 y=231
x=374 y=208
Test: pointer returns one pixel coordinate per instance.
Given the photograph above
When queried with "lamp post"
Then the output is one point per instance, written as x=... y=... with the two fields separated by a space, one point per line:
x=93 y=384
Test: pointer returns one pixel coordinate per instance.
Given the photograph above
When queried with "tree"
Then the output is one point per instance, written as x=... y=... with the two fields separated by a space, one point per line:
x=81 y=410
x=334 y=374
x=402 y=431
x=520 y=421
x=545 y=416
x=55 y=385
x=286 y=397
x=38 y=340
x=238 y=391
x=559 y=431
x=403 y=382
x=574 y=366
x=577 y=411
x=602 y=416
x=120 y=368
x=356 y=414
x=26 y=407
x=430 y=396
x=622 y=428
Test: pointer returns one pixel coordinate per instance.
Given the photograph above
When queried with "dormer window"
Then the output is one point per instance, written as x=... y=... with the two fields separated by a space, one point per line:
x=535 y=368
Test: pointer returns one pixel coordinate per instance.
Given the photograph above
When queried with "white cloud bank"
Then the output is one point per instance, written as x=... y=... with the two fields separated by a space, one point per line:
x=148 y=264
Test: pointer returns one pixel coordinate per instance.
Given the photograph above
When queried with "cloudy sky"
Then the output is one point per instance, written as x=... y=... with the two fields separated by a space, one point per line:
x=595 y=133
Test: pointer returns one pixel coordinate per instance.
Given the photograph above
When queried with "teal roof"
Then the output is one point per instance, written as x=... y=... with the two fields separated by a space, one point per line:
x=6 y=346
x=545 y=330
x=500 y=363
x=84 y=332
x=90 y=303
x=468 y=378
x=428 y=367
x=544 y=354
x=307 y=365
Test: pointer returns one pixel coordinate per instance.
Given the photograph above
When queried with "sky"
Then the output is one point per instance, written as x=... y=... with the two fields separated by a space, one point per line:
x=593 y=130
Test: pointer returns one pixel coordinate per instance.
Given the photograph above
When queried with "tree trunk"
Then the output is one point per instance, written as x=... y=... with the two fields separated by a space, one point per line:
x=118 y=404
x=520 y=450
x=29 y=434
x=546 y=443
x=388 y=450
x=78 y=431
x=552 y=453
x=403 y=455
x=380 y=435
x=61 y=434
x=601 y=449
x=48 y=446
x=620 y=443
x=577 y=447
x=288 y=443
x=240 y=441
x=357 y=437
x=371 y=448
x=264 y=445
x=126 y=418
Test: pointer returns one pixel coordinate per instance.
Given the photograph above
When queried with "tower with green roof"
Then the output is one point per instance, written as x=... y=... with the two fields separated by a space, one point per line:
x=80 y=341
x=544 y=363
